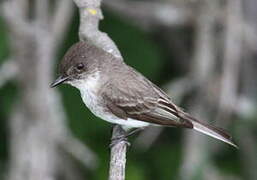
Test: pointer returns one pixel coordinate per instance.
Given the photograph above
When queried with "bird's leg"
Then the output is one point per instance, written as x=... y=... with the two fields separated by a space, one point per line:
x=119 y=139
x=124 y=137
x=134 y=131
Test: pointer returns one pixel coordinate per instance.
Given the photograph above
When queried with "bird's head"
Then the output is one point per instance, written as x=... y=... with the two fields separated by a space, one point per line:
x=79 y=62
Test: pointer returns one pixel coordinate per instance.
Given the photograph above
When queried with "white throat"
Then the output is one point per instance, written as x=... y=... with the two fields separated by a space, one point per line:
x=88 y=88
x=88 y=84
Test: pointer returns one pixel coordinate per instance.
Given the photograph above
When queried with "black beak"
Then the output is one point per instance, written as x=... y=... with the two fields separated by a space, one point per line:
x=58 y=81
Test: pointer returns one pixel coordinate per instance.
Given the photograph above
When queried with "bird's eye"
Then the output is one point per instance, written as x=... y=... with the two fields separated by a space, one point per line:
x=80 y=66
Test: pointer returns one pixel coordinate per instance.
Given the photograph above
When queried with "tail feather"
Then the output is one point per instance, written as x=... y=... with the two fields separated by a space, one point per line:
x=210 y=130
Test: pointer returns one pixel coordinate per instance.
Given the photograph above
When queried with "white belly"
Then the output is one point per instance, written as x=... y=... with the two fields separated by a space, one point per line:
x=91 y=101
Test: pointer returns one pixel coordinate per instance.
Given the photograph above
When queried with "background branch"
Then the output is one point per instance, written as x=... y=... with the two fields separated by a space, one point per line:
x=61 y=19
x=37 y=124
x=8 y=71
x=149 y=15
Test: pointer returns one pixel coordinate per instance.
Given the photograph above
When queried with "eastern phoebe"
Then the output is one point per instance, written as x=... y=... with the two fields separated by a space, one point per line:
x=117 y=93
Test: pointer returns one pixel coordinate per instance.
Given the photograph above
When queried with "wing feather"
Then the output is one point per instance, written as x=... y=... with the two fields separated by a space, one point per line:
x=139 y=99
x=150 y=109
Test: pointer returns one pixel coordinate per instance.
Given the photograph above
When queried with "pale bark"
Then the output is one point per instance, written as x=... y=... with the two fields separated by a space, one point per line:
x=90 y=15
x=118 y=156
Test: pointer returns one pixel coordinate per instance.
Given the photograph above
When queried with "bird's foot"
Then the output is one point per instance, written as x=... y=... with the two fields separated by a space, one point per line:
x=124 y=137
x=119 y=139
x=134 y=131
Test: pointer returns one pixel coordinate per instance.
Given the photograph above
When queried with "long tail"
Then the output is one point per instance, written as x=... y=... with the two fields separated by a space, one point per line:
x=210 y=130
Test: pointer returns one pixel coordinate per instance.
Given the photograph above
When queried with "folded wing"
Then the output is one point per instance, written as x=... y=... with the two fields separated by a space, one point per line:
x=141 y=100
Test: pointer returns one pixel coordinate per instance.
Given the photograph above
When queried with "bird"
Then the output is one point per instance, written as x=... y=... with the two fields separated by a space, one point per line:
x=117 y=93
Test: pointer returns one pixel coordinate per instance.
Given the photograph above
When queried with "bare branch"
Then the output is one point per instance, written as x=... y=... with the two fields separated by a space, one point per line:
x=22 y=7
x=14 y=15
x=118 y=157
x=204 y=57
x=90 y=14
x=250 y=36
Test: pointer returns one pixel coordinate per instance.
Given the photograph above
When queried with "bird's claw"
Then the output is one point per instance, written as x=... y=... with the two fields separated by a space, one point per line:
x=119 y=139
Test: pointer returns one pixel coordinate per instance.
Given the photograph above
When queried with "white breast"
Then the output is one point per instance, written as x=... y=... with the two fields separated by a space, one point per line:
x=88 y=89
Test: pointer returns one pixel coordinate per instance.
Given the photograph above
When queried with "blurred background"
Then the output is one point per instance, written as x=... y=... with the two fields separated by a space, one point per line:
x=203 y=53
